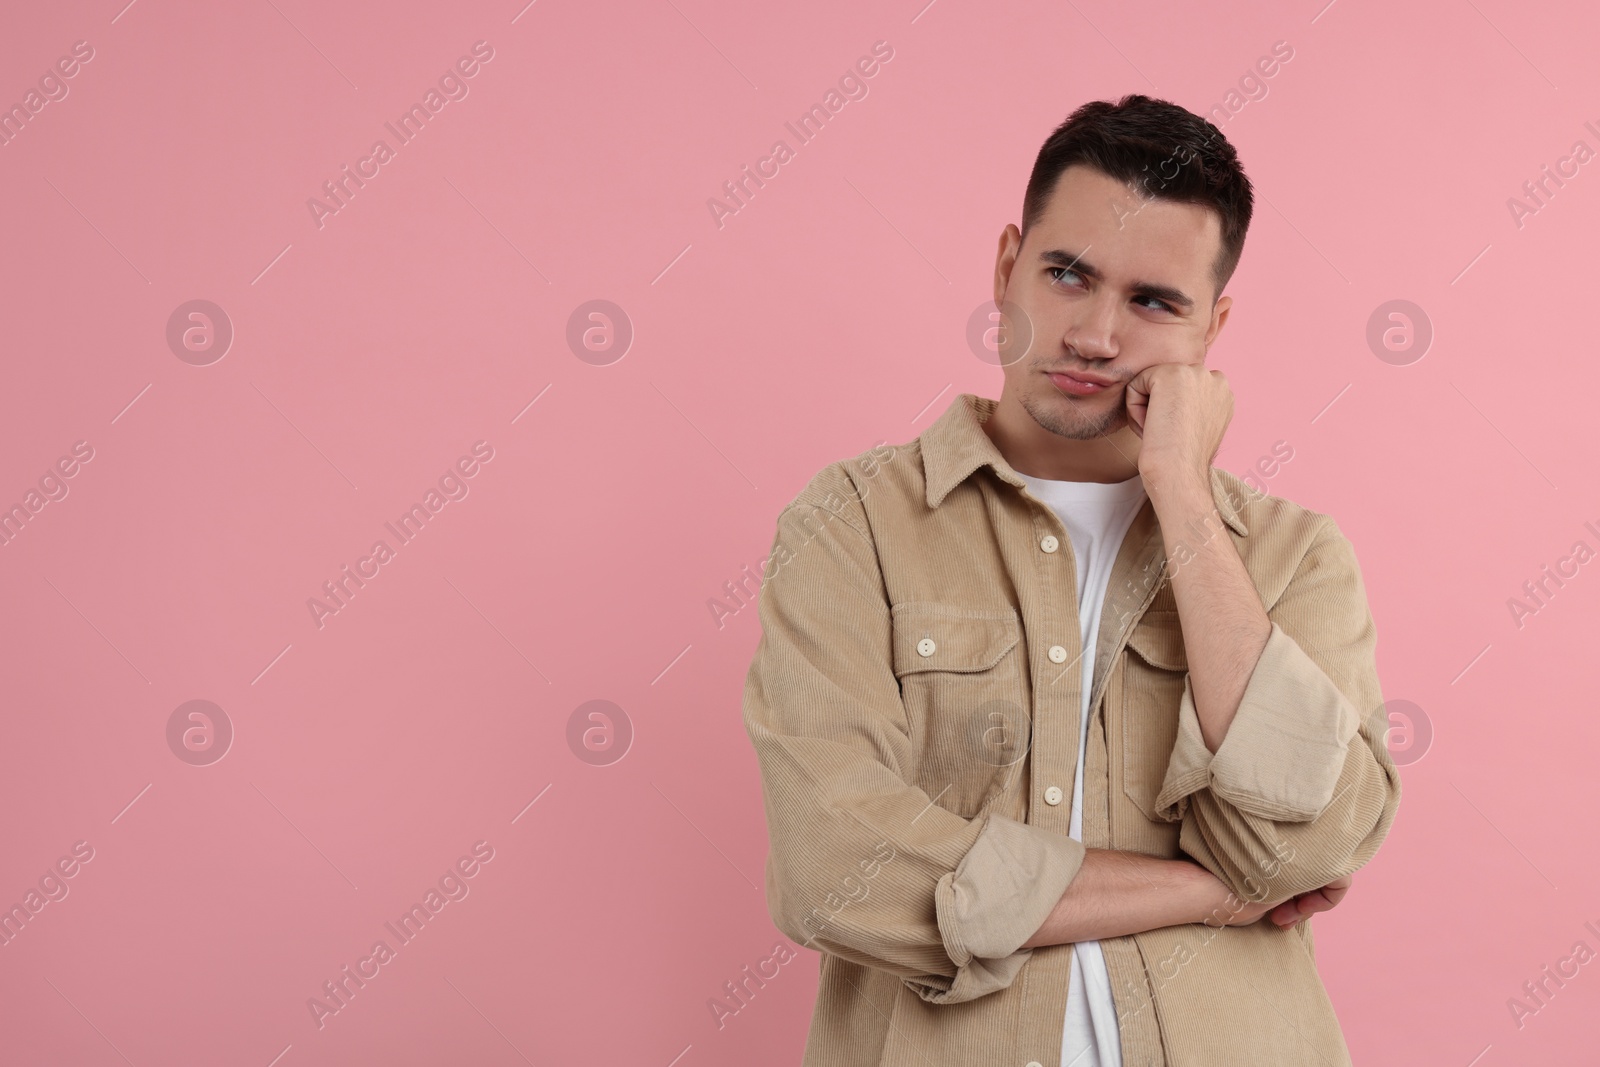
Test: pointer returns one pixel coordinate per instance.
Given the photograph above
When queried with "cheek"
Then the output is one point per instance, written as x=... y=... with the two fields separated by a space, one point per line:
x=1015 y=334
x=1176 y=347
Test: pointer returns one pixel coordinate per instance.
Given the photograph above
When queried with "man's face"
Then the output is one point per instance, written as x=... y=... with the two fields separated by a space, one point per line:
x=1112 y=283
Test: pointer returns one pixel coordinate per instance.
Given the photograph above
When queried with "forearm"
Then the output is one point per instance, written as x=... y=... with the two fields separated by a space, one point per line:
x=1225 y=626
x=1116 y=893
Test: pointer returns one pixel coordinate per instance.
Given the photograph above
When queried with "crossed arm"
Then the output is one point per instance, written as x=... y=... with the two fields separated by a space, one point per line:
x=1117 y=893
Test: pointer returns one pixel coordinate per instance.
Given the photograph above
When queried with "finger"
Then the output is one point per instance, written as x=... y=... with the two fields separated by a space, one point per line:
x=1318 y=901
x=1301 y=907
x=1314 y=902
x=1137 y=391
x=1136 y=417
x=1336 y=889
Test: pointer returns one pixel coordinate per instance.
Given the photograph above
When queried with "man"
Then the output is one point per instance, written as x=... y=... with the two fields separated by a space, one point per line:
x=1064 y=732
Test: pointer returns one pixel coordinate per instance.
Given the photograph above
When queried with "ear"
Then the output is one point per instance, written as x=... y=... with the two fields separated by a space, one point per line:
x=1005 y=258
x=1219 y=318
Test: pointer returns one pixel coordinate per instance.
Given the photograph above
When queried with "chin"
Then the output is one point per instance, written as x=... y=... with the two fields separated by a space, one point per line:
x=1077 y=418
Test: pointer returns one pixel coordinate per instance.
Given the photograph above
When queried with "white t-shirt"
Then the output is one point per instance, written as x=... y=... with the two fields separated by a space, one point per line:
x=1097 y=516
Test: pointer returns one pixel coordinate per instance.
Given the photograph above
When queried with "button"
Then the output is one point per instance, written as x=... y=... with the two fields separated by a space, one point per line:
x=1049 y=544
x=1057 y=654
x=925 y=647
x=1052 y=795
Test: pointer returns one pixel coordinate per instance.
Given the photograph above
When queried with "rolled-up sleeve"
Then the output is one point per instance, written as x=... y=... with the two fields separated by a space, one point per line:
x=863 y=864
x=1302 y=789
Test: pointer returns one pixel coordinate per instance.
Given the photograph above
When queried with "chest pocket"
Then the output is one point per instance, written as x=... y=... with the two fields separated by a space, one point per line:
x=1153 y=672
x=964 y=685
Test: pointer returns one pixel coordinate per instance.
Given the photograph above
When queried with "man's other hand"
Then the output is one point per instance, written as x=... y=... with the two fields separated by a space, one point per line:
x=1297 y=908
x=1231 y=911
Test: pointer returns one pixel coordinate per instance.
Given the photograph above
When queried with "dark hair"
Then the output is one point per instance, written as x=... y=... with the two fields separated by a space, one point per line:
x=1163 y=151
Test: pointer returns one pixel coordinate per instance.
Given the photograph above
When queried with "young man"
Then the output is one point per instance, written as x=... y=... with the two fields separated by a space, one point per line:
x=1063 y=731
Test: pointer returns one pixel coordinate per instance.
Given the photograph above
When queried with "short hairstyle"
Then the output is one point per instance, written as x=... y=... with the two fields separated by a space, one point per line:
x=1159 y=149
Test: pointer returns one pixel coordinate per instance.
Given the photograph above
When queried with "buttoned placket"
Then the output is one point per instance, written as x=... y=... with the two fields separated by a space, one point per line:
x=1052 y=627
x=1057 y=694
x=1048 y=544
x=1137 y=578
x=1045 y=578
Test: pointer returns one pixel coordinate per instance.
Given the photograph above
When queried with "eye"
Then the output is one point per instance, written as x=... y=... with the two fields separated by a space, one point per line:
x=1057 y=273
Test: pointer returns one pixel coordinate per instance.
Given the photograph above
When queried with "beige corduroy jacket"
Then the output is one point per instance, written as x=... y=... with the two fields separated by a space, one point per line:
x=914 y=701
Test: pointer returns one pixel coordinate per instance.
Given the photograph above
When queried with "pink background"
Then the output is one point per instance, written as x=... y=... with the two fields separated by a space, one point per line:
x=827 y=315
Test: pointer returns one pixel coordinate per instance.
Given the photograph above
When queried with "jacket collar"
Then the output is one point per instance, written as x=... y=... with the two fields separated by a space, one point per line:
x=955 y=446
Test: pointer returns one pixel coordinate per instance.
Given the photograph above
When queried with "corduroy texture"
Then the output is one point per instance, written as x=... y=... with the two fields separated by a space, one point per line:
x=910 y=722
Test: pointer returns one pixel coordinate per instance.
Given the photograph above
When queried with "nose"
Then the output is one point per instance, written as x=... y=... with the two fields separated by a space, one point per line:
x=1092 y=332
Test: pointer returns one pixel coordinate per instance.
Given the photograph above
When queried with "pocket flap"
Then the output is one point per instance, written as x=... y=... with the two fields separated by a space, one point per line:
x=1158 y=640
x=956 y=639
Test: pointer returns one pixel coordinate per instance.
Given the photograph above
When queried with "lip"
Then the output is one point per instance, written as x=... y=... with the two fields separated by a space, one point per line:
x=1081 y=384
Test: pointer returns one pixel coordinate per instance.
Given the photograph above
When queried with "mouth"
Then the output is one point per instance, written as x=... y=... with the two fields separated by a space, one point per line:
x=1084 y=385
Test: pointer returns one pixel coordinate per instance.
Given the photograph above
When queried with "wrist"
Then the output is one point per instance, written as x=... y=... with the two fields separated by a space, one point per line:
x=1206 y=897
x=1186 y=488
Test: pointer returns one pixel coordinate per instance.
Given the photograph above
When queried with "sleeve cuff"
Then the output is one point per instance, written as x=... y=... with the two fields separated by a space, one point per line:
x=997 y=897
x=1284 y=750
x=1004 y=888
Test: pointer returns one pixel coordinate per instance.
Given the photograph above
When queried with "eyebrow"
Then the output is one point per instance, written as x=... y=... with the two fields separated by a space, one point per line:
x=1076 y=263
